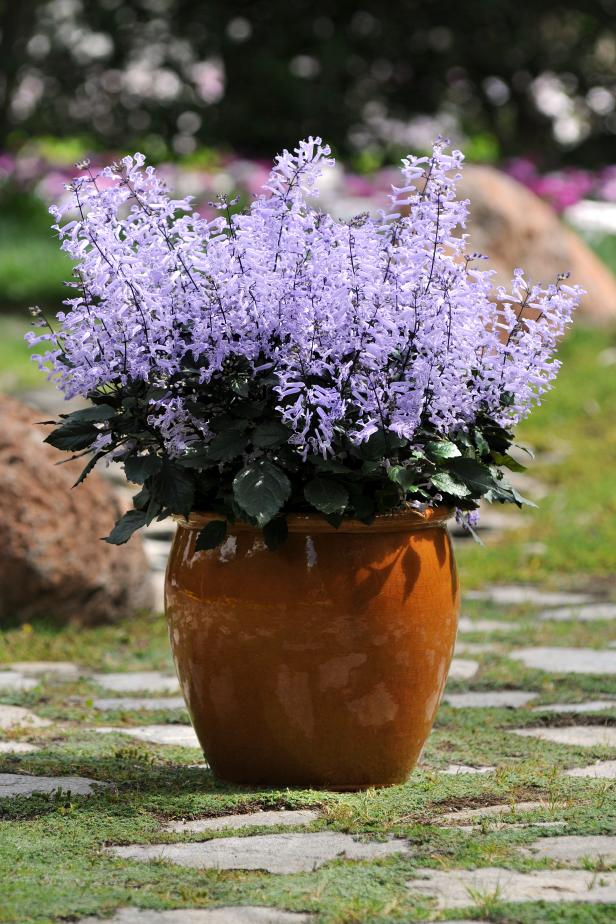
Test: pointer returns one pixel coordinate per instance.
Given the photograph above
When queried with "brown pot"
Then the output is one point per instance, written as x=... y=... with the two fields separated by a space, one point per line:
x=320 y=664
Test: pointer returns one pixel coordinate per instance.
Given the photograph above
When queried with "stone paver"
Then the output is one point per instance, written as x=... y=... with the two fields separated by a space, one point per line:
x=63 y=669
x=14 y=681
x=586 y=736
x=588 y=613
x=138 y=681
x=519 y=594
x=572 y=848
x=498 y=699
x=475 y=648
x=505 y=809
x=17 y=784
x=455 y=769
x=179 y=735
x=600 y=770
x=250 y=820
x=17 y=747
x=136 y=703
x=463 y=669
x=276 y=853
x=463 y=888
x=17 y=716
x=567 y=660
x=239 y=914
x=485 y=625
x=596 y=705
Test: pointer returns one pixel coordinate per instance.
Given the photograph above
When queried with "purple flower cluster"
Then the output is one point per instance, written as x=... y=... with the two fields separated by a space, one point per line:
x=378 y=324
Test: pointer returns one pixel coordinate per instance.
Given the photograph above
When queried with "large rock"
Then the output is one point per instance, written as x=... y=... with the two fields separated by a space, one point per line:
x=512 y=226
x=52 y=561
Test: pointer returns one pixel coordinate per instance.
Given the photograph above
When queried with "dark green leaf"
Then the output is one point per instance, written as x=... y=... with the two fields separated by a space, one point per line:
x=363 y=507
x=249 y=409
x=509 y=462
x=260 y=489
x=275 y=533
x=476 y=476
x=139 y=468
x=240 y=387
x=197 y=460
x=481 y=443
x=88 y=468
x=73 y=435
x=175 y=489
x=125 y=527
x=330 y=465
x=520 y=500
x=380 y=445
x=444 y=482
x=211 y=535
x=334 y=519
x=326 y=494
x=153 y=509
x=141 y=499
x=228 y=444
x=270 y=434
x=405 y=477
x=91 y=414
x=442 y=449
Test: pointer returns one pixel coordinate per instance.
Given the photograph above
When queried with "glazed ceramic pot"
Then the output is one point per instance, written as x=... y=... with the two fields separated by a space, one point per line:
x=320 y=664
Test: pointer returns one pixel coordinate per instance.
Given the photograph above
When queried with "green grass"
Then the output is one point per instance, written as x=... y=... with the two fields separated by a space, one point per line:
x=53 y=865
x=17 y=371
x=32 y=267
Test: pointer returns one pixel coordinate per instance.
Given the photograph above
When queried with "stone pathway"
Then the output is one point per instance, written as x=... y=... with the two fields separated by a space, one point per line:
x=499 y=699
x=573 y=849
x=178 y=735
x=568 y=660
x=17 y=747
x=588 y=613
x=511 y=811
x=466 y=888
x=466 y=625
x=600 y=770
x=16 y=784
x=249 y=820
x=237 y=914
x=137 y=682
x=520 y=595
x=456 y=769
x=18 y=717
x=64 y=670
x=13 y=680
x=276 y=853
x=136 y=704
x=475 y=648
x=585 y=736
x=463 y=669
x=596 y=705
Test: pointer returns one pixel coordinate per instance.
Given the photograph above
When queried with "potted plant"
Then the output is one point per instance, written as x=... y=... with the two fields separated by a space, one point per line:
x=311 y=399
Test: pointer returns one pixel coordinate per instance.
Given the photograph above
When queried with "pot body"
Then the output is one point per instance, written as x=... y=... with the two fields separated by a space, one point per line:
x=322 y=663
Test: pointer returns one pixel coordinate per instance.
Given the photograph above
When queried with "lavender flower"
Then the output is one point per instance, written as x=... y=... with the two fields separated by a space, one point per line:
x=339 y=334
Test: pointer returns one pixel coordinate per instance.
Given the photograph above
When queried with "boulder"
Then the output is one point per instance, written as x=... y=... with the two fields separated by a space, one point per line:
x=513 y=227
x=52 y=561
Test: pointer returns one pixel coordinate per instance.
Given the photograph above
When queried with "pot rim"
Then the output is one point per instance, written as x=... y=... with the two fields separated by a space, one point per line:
x=406 y=521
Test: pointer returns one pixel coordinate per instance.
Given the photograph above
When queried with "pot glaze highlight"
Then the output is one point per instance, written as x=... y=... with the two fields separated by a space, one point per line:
x=323 y=663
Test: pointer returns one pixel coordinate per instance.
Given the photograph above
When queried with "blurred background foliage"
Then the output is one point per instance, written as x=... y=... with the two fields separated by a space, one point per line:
x=173 y=76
